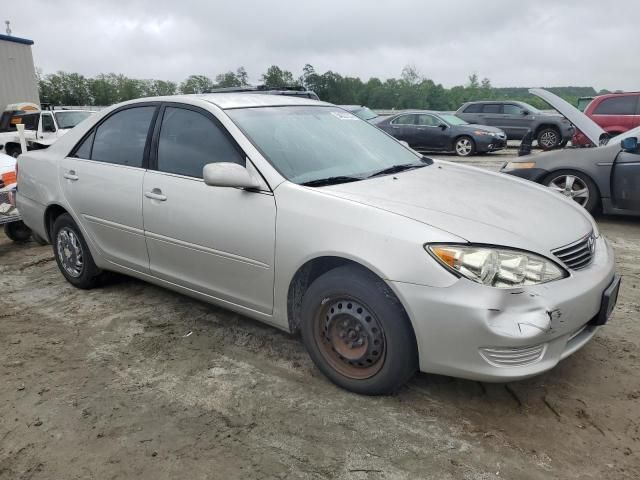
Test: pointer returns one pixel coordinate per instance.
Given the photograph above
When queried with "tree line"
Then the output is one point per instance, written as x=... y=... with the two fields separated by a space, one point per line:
x=410 y=90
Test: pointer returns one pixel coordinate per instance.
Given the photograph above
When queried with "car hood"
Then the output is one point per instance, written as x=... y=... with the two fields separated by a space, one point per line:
x=475 y=205
x=587 y=126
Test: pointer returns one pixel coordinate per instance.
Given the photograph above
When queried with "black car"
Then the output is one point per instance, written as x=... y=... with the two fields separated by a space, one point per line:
x=361 y=111
x=427 y=131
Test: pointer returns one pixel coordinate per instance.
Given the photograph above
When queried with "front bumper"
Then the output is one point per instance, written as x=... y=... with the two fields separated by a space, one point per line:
x=533 y=174
x=487 y=143
x=490 y=334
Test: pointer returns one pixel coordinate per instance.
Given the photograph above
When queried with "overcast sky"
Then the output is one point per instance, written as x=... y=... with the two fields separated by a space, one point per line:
x=512 y=42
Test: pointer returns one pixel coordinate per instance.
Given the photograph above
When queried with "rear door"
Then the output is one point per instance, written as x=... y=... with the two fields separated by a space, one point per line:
x=214 y=240
x=102 y=182
x=402 y=128
x=491 y=115
x=625 y=181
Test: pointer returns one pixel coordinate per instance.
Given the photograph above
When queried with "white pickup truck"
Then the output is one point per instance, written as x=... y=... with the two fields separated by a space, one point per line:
x=41 y=128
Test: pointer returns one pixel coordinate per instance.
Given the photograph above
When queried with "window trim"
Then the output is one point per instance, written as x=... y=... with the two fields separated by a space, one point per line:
x=155 y=140
x=53 y=122
x=94 y=129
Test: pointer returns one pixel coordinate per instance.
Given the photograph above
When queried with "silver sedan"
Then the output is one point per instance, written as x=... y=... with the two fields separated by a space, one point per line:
x=301 y=215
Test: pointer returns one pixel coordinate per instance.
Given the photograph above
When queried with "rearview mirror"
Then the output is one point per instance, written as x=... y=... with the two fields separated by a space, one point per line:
x=227 y=174
x=629 y=143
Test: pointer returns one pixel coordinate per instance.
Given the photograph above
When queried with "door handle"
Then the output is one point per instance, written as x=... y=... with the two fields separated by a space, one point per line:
x=71 y=175
x=155 y=194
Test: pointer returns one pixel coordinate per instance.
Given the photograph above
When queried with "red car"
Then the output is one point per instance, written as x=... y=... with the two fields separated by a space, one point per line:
x=615 y=113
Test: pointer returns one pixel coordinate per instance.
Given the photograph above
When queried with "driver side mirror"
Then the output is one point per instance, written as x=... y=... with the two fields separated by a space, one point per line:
x=525 y=112
x=443 y=126
x=227 y=174
x=629 y=144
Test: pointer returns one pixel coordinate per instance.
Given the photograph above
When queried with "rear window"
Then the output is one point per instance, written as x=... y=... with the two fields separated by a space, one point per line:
x=622 y=105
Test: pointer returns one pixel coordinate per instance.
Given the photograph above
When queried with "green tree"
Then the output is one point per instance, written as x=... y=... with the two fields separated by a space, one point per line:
x=276 y=77
x=196 y=84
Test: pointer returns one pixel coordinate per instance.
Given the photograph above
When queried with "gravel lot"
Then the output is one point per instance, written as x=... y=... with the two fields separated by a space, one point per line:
x=132 y=381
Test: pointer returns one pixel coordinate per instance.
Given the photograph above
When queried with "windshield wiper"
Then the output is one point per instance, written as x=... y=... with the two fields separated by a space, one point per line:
x=320 y=182
x=397 y=169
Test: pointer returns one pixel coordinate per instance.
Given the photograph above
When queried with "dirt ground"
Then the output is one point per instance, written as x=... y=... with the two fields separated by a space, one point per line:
x=133 y=381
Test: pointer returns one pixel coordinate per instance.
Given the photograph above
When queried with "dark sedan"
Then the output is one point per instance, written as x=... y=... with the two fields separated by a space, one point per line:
x=427 y=131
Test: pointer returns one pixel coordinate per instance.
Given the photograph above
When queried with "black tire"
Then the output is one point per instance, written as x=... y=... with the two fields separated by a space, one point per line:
x=13 y=151
x=355 y=289
x=17 y=231
x=549 y=138
x=465 y=151
x=593 y=200
x=38 y=239
x=88 y=273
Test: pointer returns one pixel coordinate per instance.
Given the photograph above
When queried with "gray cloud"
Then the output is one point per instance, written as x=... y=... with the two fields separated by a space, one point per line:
x=514 y=43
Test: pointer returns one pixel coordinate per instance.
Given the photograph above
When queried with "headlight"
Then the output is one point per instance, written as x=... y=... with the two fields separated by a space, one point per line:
x=484 y=132
x=519 y=165
x=497 y=267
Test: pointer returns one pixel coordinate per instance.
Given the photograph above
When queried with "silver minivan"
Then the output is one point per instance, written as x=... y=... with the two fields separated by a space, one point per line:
x=299 y=214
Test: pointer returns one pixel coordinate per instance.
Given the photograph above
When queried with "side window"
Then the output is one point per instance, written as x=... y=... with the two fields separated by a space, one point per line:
x=492 y=108
x=428 y=121
x=189 y=140
x=30 y=121
x=473 y=108
x=47 y=123
x=622 y=105
x=511 y=109
x=122 y=137
x=84 y=149
x=404 y=120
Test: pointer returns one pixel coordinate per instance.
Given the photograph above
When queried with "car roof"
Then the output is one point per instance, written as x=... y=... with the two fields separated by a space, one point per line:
x=244 y=100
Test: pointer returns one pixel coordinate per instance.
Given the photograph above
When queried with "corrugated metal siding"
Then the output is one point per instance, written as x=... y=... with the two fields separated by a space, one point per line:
x=17 y=74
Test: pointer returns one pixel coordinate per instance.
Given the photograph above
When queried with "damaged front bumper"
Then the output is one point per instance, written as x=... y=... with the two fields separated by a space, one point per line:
x=482 y=333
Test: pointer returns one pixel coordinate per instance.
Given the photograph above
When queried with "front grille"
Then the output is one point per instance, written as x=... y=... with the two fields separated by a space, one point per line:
x=578 y=254
x=512 y=357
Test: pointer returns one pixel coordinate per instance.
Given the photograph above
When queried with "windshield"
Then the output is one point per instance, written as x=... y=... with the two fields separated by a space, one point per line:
x=70 y=119
x=452 y=119
x=312 y=143
x=365 y=114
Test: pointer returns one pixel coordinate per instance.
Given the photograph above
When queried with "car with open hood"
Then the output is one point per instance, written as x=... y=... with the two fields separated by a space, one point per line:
x=299 y=214
x=429 y=131
x=605 y=177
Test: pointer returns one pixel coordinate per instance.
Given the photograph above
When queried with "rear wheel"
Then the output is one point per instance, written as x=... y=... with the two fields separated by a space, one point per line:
x=548 y=138
x=72 y=253
x=575 y=185
x=17 y=231
x=357 y=333
x=464 y=146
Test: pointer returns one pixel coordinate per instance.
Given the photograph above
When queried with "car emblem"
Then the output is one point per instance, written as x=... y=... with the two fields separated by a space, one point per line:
x=591 y=244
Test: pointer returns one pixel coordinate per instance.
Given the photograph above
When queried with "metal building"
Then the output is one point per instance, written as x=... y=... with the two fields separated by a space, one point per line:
x=17 y=73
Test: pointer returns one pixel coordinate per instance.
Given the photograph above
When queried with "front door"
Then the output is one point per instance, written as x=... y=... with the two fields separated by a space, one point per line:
x=625 y=182
x=429 y=133
x=515 y=121
x=102 y=182
x=214 y=240
x=47 y=130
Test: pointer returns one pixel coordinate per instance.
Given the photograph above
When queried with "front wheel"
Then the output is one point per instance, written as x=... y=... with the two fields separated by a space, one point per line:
x=548 y=138
x=575 y=185
x=72 y=253
x=464 y=146
x=357 y=332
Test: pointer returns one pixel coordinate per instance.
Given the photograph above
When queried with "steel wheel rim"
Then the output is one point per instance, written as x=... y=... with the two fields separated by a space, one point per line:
x=350 y=337
x=571 y=186
x=69 y=251
x=463 y=147
x=549 y=139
